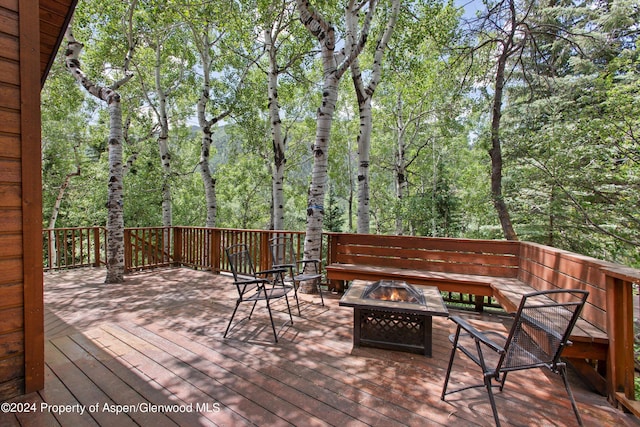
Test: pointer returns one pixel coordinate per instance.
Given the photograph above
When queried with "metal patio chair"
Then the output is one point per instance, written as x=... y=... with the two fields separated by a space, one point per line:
x=283 y=256
x=540 y=331
x=254 y=286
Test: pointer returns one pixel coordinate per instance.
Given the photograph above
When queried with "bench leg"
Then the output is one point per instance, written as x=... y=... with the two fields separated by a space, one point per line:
x=479 y=300
x=336 y=285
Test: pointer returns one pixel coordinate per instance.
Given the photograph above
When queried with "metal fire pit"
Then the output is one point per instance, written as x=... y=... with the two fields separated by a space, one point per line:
x=393 y=315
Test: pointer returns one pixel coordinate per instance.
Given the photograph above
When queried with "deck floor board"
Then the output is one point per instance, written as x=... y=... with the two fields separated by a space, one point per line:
x=154 y=345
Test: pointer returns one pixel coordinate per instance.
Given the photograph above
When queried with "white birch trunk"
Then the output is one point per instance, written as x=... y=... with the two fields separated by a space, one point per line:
x=364 y=150
x=61 y=191
x=351 y=185
x=205 y=125
x=365 y=95
x=279 y=158
x=334 y=66
x=207 y=177
x=400 y=184
x=317 y=189
x=163 y=145
x=115 y=201
x=400 y=166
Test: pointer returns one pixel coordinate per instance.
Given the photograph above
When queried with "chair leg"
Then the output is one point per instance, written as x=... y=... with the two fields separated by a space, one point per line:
x=253 y=308
x=296 y=285
x=231 y=320
x=563 y=373
x=273 y=326
x=286 y=298
x=488 y=385
x=503 y=380
x=448 y=375
x=319 y=286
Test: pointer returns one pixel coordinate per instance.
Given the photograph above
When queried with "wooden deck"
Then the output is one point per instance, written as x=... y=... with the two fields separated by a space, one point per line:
x=156 y=343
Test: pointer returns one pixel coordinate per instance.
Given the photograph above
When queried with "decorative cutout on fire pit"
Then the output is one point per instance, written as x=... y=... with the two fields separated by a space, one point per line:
x=391 y=330
x=392 y=290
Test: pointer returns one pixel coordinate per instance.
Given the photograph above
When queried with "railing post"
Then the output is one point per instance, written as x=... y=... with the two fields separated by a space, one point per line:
x=265 y=257
x=332 y=252
x=96 y=246
x=620 y=364
x=216 y=251
x=166 y=245
x=127 y=250
x=210 y=259
x=177 y=246
x=50 y=255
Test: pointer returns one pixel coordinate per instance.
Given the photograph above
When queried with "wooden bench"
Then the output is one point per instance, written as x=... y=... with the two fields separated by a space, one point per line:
x=500 y=269
x=477 y=285
x=425 y=260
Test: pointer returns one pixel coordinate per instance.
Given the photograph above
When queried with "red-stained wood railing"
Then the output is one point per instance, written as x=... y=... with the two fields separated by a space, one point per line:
x=258 y=243
x=157 y=247
x=147 y=247
x=74 y=247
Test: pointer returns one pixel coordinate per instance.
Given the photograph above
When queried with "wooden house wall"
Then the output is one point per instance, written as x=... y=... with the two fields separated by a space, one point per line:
x=21 y=303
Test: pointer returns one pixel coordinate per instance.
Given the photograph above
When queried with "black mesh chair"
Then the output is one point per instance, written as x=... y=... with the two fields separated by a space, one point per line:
x=254 y=286
x=540 y=331
x=283 y=256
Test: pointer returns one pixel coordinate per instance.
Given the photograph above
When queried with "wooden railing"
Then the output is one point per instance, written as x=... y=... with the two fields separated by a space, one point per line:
x=203 y=248
x=74 y=247
x=157 y=247
x=148 y=247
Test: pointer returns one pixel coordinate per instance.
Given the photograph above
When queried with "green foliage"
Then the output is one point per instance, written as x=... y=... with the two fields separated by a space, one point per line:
x=244 y=193
x=333 y=214
x=571 y=176
x=436 y=212
x=66 y=148
x=574 y=170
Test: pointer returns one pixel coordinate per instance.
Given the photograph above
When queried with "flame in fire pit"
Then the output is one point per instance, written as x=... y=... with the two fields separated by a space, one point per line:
x=394 y=295
x=390 y=290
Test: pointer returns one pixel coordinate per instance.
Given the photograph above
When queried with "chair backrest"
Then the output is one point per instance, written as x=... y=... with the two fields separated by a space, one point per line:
x=541 y=328
x=282 y=252
x=240 y=261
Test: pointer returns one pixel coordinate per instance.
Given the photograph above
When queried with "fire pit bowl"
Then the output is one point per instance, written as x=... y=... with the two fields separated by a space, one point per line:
x=393 y=315
x=391 y=290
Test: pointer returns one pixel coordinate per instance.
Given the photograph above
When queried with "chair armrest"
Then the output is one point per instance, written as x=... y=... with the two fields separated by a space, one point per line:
x=285 y=266
x=315 y=262
x=477 y=334
x=271 y=271
x=255 y=281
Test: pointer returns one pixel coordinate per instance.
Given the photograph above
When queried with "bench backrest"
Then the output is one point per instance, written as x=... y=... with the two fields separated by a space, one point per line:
x=480 y=257
x=546 y=268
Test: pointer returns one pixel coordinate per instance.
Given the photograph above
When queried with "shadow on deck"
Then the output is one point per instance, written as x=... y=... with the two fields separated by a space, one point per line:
x=150 y=352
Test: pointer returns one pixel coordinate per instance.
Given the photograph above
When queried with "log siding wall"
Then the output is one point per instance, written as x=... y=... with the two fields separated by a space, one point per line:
x=21 y=303
x=12 y=340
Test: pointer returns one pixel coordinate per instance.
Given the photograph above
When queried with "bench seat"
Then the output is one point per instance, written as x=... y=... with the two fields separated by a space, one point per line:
x=453 y=282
